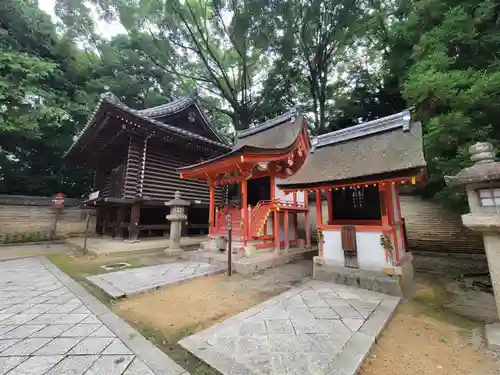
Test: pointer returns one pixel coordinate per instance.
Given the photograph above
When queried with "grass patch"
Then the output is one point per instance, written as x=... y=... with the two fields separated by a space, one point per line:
x=168 y=343
x=79 y=266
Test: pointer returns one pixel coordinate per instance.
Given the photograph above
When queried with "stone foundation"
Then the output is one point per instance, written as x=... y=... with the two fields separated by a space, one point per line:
x=259 y=261
x=395 y=281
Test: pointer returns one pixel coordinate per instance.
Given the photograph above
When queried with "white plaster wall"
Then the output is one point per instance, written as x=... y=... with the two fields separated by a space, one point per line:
x=279 y=194
x=371 y=255
x=332 y=248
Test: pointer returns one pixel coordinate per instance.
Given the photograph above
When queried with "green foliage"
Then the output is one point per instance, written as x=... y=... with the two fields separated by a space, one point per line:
x=24 y=237
x=250 y=60
x=454 y=82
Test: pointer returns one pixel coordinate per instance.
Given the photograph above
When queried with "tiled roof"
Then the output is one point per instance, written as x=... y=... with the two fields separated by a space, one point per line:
x=108 y=97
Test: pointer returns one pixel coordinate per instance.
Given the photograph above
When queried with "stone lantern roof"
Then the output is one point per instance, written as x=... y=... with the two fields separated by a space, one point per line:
x=177 y=201
x=484 y=169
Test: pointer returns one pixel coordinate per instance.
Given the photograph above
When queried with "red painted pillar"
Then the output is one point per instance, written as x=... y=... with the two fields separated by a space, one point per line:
x=276 y=229
x=319 y=209
x=384 y=204
x=308 y=224
x=244 y=205
x=211 y=208
x=296 y=227
x=285 y=229
x=329 y=197
x=272 y=180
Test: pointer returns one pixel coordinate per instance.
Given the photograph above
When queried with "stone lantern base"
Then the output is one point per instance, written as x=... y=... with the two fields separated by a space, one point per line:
x=482 y=183
x=493 y=336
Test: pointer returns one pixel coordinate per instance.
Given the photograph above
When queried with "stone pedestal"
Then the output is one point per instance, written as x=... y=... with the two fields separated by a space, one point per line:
x=482 y=182
x=176 y=217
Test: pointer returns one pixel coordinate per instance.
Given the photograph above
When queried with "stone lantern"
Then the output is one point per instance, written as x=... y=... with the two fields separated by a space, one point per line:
x=176 y=217
x=482 y=183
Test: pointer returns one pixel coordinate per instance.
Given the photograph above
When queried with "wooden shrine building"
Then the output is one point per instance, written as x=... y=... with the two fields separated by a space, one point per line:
x=262 y=216
x=359 y=171
x=135 y=154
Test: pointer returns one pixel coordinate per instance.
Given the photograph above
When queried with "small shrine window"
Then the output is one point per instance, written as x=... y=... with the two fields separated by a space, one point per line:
x=489 y=197
x=356 y=203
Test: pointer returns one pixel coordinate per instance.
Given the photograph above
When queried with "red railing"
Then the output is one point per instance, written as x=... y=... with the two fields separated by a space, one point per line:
x=258 y=216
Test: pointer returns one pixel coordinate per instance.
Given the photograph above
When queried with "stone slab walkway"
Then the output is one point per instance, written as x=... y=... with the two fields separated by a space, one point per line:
x=139 y=280
x=50 y=325
x=319 y=328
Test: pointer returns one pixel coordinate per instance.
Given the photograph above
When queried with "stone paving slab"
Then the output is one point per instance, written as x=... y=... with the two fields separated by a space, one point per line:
x=318 y=328
x=50 y=325
x=139 y=280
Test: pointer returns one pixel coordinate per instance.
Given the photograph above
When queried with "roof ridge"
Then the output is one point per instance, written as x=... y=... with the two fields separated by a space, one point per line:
x=267 y=124
x=401 y=120
x=174 y=106
x=109 y=97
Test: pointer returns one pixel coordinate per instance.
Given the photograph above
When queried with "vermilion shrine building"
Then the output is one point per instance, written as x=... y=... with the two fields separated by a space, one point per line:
x=264 y=217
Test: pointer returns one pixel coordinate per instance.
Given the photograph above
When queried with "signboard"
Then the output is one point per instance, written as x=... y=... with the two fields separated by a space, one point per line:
x=94 y=195
x=58 y=201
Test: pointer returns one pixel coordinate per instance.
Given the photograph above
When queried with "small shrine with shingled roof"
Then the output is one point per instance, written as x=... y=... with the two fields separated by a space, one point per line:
x=359 y=171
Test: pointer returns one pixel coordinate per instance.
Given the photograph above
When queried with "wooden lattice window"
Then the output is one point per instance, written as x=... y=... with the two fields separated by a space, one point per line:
x=356 y=203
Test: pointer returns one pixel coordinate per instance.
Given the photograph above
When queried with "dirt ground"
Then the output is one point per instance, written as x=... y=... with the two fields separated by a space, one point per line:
x=419 y=344
x=427 y=337
x=199 y=303
x=167 y=315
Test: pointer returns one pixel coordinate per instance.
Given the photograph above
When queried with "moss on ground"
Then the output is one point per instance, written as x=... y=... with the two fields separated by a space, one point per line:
x=432 y=302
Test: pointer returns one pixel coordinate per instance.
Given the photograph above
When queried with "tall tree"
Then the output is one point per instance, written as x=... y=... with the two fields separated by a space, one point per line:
x=454 y=81
x=203 y=43
x=316 y=39
x=40 y=100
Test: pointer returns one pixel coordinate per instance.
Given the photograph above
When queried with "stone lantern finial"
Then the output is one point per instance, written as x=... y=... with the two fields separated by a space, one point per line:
x=482 y=152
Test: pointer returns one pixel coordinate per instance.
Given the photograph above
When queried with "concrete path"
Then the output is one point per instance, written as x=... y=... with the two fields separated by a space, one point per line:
x=139 y=280
x=319 y=328
x=50 y=325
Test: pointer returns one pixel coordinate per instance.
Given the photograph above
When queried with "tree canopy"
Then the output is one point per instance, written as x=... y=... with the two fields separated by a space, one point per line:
x=341 y=62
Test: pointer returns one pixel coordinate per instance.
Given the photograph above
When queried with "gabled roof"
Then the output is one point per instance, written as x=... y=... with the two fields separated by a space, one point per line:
x=276 y=133
x=108 y=98
x=180 y=105
x=275 y=136
x=386 y=146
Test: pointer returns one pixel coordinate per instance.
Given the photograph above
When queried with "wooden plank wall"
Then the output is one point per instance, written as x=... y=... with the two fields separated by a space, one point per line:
x=161 y=178
x=133 y=167
x=430 y=227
